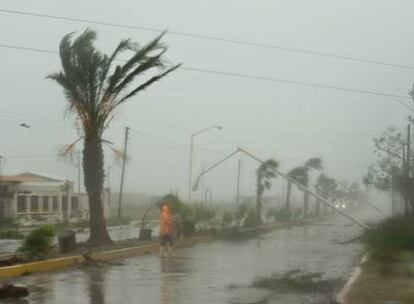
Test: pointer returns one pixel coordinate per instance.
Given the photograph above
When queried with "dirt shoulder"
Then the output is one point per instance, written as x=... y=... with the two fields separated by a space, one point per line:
x=377 y=284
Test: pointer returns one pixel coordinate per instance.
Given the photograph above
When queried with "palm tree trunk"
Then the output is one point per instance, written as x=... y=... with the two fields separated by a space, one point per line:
x=94 y=176
x=305 y=204
x=259 y=204
x=318 y=206
x=288 y=193
x=325 y=208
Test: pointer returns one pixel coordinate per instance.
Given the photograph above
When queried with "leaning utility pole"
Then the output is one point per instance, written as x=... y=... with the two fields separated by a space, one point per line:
x=124 y=156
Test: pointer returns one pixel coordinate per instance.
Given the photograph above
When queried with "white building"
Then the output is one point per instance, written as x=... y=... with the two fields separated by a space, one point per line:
x=33 y=199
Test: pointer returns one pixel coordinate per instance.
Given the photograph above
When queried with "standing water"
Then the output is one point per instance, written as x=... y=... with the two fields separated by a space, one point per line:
x=216 y=272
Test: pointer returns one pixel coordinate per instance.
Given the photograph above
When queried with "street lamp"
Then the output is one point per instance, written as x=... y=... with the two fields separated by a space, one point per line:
x=190 y=175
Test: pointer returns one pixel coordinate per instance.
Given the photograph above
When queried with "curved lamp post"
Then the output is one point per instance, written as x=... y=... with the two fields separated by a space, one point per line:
x=190 y=174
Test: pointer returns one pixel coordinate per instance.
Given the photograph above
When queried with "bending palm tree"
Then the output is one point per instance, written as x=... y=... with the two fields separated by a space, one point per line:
x=264 y=174
x=325 y=186
x=95 y=87
x=301 y=175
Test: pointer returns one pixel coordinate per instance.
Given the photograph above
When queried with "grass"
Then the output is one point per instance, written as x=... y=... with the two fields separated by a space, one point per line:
x=389 y=239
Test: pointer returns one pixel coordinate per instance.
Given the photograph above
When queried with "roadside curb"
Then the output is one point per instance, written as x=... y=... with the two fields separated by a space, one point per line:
x=341 y=297
x=69 y=261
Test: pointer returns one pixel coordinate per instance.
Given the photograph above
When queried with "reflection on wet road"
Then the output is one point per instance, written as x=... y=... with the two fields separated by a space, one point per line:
x=206 y=272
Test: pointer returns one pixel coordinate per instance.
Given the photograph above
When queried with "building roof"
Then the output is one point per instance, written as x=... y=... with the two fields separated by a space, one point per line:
x=30 y=177
x=14 y=179
x=40 y=177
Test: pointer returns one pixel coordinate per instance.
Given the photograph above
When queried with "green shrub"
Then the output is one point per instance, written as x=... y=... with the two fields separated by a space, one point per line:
x=234 y=233
x=251 y=220
x=186 y=212
x=241 y=212
x=8 y=224
x=387 y=239
x=39 y=242
x=116 y=221
x=227 y=218
x=270 y=214
x=203 y=214
x=297 y=213
x=11 y=234
x=188 y=227
x=283 y=215
x=178 y=206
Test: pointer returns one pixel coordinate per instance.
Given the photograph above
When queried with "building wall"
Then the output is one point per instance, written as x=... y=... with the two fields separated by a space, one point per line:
x=34 y=203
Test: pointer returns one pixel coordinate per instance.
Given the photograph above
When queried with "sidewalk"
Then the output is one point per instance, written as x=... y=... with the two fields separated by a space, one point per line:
x=374 y=287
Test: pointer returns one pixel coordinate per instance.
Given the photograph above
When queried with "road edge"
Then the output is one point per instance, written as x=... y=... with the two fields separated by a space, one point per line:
x=341 y=296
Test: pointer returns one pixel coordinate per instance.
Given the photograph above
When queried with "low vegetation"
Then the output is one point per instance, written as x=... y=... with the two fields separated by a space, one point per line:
x=279 y=215
x=185 y=211
x=251 y=219
x=389 y=239
x=9 y=229
x=202 y=213
x=11 y=234
x=227 y=218
x=38 y=243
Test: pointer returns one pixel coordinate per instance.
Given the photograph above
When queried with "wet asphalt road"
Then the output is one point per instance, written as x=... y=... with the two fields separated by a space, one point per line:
x=216 y=272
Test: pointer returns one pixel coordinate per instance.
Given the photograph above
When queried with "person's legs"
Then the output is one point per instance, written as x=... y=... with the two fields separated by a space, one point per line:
x=164 y=243
x=170 y=245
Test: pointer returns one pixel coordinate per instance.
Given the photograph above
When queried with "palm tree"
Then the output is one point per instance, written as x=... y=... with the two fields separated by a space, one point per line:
x=95 y=87
x=301 y=175
x=325 y=187
x=265 y=173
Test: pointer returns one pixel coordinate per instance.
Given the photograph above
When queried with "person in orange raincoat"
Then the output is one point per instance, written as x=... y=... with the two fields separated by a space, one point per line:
x=166 y=230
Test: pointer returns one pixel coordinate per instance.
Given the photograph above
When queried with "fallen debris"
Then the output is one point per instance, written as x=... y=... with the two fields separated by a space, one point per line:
x=298 y=281
x=12 y=291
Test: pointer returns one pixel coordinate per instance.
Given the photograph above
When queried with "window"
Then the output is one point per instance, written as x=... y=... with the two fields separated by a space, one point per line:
x=45 y=204
x=74 y=204
x=55 y=203
x=21 y=203
x=34 y=203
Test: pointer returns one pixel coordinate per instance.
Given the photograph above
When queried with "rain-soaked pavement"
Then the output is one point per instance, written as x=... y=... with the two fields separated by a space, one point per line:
x=216 y=272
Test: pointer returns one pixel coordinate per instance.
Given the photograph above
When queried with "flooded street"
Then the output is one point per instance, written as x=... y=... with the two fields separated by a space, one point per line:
x=216 y=272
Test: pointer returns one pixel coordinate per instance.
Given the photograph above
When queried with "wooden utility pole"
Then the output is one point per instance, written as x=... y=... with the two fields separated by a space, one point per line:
x=408 y=150
x=408 y=167
x=238 y=184
x=124 y=156
x=1 y=196
x=79 y=172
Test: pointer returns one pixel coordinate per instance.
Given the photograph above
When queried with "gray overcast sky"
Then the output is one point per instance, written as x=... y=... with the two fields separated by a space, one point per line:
x=288 y=122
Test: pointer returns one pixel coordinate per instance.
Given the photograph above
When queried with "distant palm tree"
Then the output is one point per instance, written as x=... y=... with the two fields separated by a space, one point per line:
x=265 y=173
x=95 y=87
x=325 y=187
x=301 y=175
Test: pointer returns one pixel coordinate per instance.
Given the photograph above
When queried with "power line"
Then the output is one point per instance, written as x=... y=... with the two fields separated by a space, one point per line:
x=255 y=77
x=213 y=38
x=31 y=156
x=295 y=82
